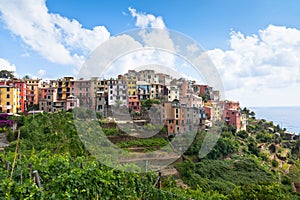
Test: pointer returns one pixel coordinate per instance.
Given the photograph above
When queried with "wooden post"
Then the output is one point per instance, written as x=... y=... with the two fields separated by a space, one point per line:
x=21 y=177
x=30 y=170
x=159 y=180
x=6 y=165
x=36 y=178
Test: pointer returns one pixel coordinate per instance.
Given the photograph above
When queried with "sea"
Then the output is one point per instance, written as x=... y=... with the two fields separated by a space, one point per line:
x=285 y=117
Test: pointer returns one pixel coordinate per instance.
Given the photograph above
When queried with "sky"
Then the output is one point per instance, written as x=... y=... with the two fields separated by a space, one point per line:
x=255 y=45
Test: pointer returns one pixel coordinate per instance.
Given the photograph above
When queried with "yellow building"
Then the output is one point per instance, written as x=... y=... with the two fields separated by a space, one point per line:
x=64 y=86
x=9 y=99
x=131 y=79
x=131 y=85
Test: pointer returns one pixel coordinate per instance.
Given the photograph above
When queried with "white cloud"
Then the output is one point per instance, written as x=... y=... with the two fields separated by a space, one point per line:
x=141 y=47
x=54 y=37
x=41 y=72
x=268 y=61
x=144 y=20
x=6 y=65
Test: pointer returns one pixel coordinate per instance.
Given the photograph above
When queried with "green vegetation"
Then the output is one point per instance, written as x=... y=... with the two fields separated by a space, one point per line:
x=252 y=164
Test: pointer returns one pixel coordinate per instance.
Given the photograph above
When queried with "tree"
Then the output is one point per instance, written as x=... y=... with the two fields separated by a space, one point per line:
x=242 y=134
x=295 y=172
x=6 y=74
x=147 y=104
x=252 y=114
x=26 y=77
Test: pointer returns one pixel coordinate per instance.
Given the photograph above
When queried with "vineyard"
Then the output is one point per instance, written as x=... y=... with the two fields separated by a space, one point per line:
x=46 y=159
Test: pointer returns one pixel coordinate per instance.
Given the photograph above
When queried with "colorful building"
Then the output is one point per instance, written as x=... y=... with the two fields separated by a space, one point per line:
x=64 y=87
x=72 y=102
x=81 y=90
x=117 y=92
x=9 y=99
x=131 y=79
x=21 y=85
x=233 y=118
x=134 y=103
x=143 y=90
x=47 y=97
x=157 y=91
x=173 y=117
x=32 y=92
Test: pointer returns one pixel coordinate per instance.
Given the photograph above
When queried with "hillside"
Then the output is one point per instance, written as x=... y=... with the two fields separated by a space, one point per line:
x=260 y=163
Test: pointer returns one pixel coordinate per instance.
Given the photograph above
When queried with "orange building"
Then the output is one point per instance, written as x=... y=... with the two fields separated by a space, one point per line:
x=172 y=117
x=32 y=92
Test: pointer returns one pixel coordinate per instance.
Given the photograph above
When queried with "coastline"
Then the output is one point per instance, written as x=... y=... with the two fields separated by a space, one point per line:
x=285 y=116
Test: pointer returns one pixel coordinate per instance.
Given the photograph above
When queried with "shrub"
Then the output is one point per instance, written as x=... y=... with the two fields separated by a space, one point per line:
x=275 y=163
x=242 y=134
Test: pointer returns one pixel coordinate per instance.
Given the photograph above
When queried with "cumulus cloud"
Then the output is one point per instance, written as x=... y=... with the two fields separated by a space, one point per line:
x=6 y=65
x=144 y=20
x=56 y=38
x=266 y=61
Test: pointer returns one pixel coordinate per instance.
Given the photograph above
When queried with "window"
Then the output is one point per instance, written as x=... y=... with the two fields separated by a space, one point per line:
x=7 y=89
x=7 y=96
x=7 y=103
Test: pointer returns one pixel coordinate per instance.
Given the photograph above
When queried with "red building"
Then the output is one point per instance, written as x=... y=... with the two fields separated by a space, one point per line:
x=22 y=95
x=208 y=111
x=134 y=103
x=231 y=105
x=233 y=118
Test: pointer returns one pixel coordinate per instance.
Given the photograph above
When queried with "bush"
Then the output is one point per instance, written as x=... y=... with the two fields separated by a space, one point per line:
x=275 y=163
x=291 y=161
x=242 y=134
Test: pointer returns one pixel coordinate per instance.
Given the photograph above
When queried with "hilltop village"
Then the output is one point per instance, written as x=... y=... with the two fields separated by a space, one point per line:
x=184 y=102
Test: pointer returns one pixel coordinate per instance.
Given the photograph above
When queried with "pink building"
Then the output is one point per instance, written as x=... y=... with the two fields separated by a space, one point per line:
x=208 y=112
x=134 y=103
x=233 y=118
x=81 y=90
x=72 y=102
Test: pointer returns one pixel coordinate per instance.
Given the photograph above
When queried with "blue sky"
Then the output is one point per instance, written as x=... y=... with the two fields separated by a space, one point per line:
x=254 y=44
